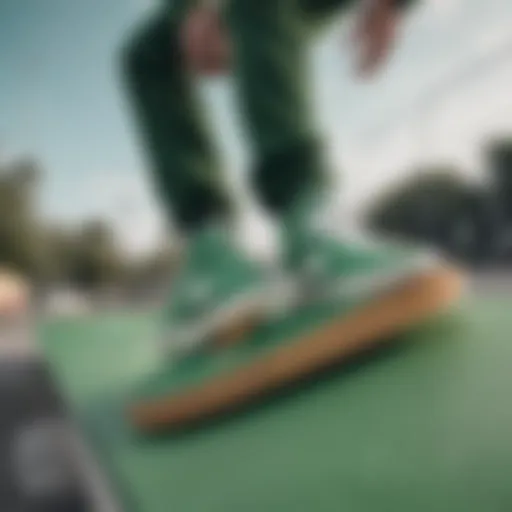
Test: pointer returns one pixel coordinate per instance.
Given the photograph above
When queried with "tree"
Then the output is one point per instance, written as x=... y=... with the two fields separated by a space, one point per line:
x=419 y=207
x=154 y=272
x=93 y=258
x=21 y=235
x=86 y=256
x=499 y=157
x=440 y=209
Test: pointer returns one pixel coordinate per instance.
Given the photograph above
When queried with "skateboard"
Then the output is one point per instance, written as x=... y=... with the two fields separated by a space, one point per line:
x=289 y=350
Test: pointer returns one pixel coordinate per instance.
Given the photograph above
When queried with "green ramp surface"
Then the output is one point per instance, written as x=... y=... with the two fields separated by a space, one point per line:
x=425 y=426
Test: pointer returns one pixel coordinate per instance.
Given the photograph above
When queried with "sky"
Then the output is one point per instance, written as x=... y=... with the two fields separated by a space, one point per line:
x=61 y=102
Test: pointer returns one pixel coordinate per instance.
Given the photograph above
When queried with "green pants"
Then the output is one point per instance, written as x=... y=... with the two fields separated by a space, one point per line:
x=270 y=41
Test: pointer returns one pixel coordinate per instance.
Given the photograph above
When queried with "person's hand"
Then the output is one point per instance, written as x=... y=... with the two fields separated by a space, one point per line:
x=375 y=34
x=205 y=43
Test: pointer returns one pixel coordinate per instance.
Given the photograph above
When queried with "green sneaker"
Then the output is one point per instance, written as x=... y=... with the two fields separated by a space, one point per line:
x=331 y=263
x=313 y=337
x=219 y=295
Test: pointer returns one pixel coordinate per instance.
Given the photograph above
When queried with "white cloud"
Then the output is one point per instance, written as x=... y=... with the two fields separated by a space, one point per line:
x=453 y=131
x=126 y=200
x=445 y=8
x=493 y=38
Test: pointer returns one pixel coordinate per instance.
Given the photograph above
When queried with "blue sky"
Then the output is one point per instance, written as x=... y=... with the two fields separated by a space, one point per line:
x=60 y=101
x=58 y=88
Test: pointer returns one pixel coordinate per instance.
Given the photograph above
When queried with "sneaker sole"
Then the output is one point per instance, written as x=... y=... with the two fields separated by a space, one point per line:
x=415 y=300
x=275 y=301
x=235 y=321
x=237 y=329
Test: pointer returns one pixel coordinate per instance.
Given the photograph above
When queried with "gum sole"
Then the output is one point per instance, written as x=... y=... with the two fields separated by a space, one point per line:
x=237 y=331
x=413 y=302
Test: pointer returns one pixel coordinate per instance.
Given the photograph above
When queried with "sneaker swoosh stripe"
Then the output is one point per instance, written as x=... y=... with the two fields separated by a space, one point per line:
x=375 y=282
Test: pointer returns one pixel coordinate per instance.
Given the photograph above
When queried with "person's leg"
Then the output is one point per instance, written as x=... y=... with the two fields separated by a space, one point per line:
x=217 y=290
x=271 y=40
x=319 y=13
x=171 y=126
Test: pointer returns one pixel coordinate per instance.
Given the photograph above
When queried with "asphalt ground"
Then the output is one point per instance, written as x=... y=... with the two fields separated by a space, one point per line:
x=36 y=467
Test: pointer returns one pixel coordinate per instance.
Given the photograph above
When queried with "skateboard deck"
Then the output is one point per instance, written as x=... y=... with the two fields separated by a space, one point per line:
x=277 y=355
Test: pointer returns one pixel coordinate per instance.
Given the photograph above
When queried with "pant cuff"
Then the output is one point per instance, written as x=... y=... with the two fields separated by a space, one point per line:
x=199 y=207
x=284 y=174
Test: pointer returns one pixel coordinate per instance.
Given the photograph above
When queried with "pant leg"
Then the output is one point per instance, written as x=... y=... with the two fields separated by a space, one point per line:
x=318 y=13
x=271 y=40
x=171 y=127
